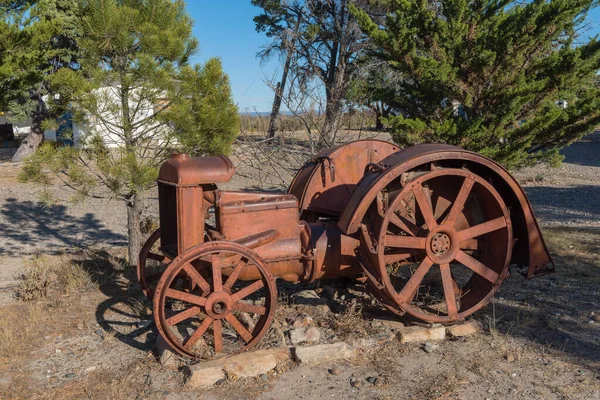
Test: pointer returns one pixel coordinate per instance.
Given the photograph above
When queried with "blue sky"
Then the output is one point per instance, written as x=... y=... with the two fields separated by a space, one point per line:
x=225 y=29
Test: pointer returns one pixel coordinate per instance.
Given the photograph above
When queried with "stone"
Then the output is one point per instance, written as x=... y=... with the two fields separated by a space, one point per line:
x=166 y=356
x=466 y=329
x=303 y=322
x=309 y=297
x=596 y=317
x=242 y=365
x=324 y=353
x=373 y=341
x=80 y=326
x=301 y=335
x=90 y=369
x=429 y=347
x=335 y=371
x=264 y=377
x=372 y=380
x=510 y=358
x=70 y=375
x=389 y=323
x=419 y=334
x=356 y=383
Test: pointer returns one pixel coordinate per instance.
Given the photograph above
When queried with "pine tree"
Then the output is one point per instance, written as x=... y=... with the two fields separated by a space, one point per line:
x=138 y=100
x=38 y=39
x=491 y=76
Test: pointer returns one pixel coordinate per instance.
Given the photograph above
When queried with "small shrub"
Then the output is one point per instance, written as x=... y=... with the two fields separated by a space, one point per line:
x=48 y=274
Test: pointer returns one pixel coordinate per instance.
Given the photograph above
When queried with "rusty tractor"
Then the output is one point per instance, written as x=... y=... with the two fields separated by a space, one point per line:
x=430 y=230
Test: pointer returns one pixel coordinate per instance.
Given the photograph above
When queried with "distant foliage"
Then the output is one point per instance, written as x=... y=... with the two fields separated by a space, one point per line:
x=491 y=76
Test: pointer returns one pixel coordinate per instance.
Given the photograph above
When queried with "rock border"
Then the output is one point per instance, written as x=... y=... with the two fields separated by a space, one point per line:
x=258 y=362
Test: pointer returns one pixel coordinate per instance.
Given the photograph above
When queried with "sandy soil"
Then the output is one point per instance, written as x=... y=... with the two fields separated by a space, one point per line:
x=96 y=341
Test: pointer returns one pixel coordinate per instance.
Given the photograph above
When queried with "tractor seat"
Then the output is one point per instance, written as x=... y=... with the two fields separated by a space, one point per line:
x=183 y=170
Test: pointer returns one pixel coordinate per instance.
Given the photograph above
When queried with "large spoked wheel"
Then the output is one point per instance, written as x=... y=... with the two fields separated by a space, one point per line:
x=217 y=312
x=445 y=242
x=151 y=264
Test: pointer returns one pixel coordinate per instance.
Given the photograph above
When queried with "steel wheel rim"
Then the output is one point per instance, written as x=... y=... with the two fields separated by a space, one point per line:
x=146 y=253
x=439 y=246
x=220 y=300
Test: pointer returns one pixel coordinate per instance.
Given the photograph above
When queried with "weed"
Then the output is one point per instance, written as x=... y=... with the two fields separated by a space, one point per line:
x=45 y=274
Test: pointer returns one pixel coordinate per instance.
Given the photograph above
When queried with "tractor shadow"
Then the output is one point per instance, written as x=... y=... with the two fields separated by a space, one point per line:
x=126 y=314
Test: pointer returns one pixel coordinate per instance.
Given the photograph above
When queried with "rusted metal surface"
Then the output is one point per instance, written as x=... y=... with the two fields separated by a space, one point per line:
x=427 y=229
x=323 y=184
x=530 y=248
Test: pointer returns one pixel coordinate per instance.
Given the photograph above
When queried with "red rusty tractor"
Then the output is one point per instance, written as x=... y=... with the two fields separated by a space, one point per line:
x=431 y=230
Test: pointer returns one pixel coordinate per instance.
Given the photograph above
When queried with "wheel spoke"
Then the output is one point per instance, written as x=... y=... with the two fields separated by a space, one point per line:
x=249 y=308
x=216 y=272
x=248 y=290
x=447 y=282
x=408 y=291
x=183 y=296
x=402 y=223
x=156 y=257
x=477 y=267
x=459 y=203
x=406 y=242
x=218 y=335
x=196 y=277
x=469 y=244
x=424 y=206
x=237 y=325
x=482 y=229
x=182 y=316
x=189 y=344
x=235 y=274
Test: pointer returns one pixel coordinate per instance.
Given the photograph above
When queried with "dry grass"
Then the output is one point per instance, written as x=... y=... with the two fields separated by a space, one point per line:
x=52 y=274
x=20 y=326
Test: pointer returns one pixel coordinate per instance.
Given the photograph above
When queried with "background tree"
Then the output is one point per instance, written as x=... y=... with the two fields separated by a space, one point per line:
x=374 y=88
x=489 y=75
x=326 y=43
x=41 y=40
x=280 y=21
x=139 y=101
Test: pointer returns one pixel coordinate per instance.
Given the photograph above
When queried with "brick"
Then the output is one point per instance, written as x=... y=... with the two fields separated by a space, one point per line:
x=466 y=329
x=324 y=353
x=418 y=334
x=242 y=365
x=373 y=341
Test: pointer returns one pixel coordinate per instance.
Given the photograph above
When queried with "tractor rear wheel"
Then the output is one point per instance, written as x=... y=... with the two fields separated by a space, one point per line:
x=444 y=243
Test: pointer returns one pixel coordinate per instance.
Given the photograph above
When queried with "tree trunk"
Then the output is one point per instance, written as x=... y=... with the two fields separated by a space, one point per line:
x=35 y=135
x=28 y=146
x=333 y=111
x=281 y=88
x=134 y=212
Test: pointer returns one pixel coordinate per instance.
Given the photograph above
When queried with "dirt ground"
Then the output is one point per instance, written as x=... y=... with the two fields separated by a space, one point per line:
x=87 y=331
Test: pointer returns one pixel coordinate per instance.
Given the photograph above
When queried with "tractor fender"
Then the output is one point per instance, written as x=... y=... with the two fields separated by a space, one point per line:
x=324 y=183
x=529 y=249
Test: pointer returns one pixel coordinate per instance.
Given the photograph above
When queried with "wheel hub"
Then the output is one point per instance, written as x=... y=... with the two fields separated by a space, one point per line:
x=218 y=305
x=440 y=243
